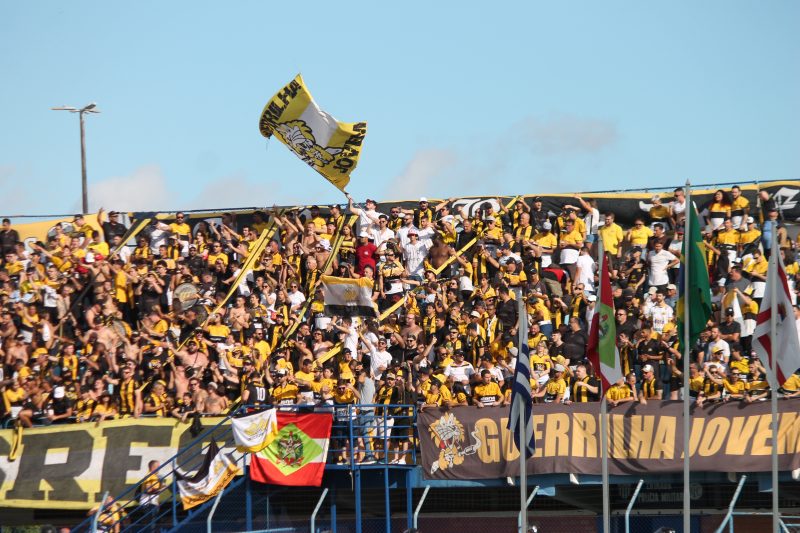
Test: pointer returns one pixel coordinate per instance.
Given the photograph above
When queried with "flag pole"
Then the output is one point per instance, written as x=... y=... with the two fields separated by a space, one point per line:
x=604 y=452
x=687 y=507
x=522 y=332
x=601 y=256
x=773 y=334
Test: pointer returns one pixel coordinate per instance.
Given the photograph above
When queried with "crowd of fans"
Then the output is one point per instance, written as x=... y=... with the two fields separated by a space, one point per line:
x=94 y=330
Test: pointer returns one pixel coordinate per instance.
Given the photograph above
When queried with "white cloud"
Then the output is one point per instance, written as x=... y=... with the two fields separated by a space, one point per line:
x=146 y=189
x=544 y=150
x=565 y=134
x=423 y=175
x=234 y=190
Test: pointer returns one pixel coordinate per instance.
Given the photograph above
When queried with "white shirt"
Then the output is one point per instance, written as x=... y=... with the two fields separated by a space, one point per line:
x=587 y=266
x=460 y=373
x=297 y=298
x=658 y=262
x=426 y=235
x=380 y=237
x=415 y=255
x=722 y=343
x=659 y=316
x=379 y=359
x=402 y=234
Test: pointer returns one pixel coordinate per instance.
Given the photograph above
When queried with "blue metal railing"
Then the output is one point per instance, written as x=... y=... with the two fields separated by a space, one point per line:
x=362 y=436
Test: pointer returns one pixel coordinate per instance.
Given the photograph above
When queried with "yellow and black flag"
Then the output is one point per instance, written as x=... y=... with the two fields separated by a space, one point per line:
x=217 y=470
x=330 y=147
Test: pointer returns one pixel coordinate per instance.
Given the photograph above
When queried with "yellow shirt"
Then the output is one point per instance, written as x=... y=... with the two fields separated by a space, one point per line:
x=728 y=237
x=612 y=237
x=212 y=258
x=617 y=392
x=546 y=240
x=487 y=393
x=639 y=236
x=573 y=238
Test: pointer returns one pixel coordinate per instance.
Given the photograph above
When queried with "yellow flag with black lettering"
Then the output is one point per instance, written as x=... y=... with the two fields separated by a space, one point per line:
x=330 y=147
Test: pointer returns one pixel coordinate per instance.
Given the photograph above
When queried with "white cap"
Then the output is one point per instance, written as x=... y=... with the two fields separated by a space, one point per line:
x=324 y=244
x=672 y=287
x=513 y=352
x=559 y=368
x=647 y=368
x=363 y=234
x=547 y=225
x=423 y=199
x=58 y=393
x=750 y=220
x=591 y=298
x=652 y=290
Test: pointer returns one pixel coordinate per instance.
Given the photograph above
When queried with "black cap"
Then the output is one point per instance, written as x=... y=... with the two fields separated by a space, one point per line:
x=729 y=310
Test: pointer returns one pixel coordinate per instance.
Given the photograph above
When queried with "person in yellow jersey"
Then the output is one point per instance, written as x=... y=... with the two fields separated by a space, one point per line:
x=151 y=488
x=621 y=392
x=487 y=392
x=651 y=385
x=732 y=385
x=727 y=240
x=791 y=387
x=584 y=388
x=638 y=235
x=556 y=387
x=345 y=398
x=612 y=236
x=285 y=392
x=740 y=207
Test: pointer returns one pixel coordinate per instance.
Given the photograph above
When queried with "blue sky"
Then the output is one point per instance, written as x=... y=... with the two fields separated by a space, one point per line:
x=461 y=98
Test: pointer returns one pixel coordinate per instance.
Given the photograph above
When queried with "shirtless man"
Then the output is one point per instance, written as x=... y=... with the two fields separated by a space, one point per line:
x=439 y=253
x=199 y=396
x=215 y=403
x=238 y=317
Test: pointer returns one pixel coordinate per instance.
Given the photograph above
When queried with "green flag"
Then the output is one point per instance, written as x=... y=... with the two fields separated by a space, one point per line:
x=696 y=298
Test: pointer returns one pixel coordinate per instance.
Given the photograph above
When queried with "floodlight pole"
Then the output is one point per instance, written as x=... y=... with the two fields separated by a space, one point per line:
x=90 y=108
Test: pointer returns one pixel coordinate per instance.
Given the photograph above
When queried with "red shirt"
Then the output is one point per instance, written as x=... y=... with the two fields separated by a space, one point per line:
x=365 y=256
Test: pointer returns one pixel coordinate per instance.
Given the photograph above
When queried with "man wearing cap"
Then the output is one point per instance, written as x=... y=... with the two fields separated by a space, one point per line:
x=730 y=330
x=367 y=218
x=414 y=253
x=544 y=244
x=651 y=386
x=366 y=252
x=556 y=387
x=407 y=224
x=749 y=237
x=460 y=370
x=423 y=211
x=112 y=226
x=285 y=391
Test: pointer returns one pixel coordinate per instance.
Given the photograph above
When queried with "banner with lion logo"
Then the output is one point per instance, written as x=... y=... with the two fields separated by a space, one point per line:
x=330 y=147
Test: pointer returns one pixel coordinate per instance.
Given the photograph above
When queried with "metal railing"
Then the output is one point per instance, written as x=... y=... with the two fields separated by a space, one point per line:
x=362 y=436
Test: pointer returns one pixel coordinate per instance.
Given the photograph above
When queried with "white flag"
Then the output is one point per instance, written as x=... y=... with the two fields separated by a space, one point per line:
x=785 y=346
x=250 y=432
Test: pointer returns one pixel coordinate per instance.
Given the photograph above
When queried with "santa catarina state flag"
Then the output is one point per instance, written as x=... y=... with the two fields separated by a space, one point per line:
x=295 y=454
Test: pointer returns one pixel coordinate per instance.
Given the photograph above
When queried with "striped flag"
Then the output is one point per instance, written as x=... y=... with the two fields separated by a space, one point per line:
x=602 y=349
x=294 y=455
x=348 y=296
x=785 y=343
x=521 y=400
x=217 y=470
